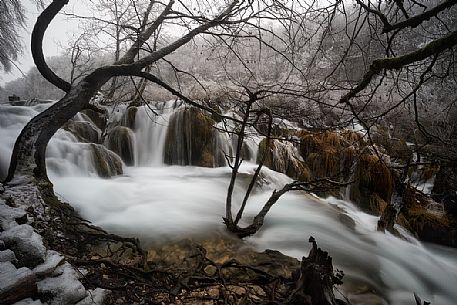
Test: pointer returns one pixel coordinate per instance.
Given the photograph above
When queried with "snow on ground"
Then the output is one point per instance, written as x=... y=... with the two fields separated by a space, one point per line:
x=29 y=271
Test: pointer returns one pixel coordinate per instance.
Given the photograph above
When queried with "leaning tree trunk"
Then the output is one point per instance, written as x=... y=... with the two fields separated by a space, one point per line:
x=28 y=157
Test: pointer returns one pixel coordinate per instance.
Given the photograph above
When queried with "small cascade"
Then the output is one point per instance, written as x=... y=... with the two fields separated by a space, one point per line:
x=150 y=132
x=121 y=140
x=190 y=139
x=226 y=142
x=285 y=158
x=12 y=120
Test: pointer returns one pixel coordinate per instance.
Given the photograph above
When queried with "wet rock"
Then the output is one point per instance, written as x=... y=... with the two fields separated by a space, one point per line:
x=85 y=131
x=121 y=141
x=373 y=179
x=129 y=118
x=428 y=224
x=97 y=118
x=107 y=163
x=190 y=139
x=283 y=157
x=116 y=252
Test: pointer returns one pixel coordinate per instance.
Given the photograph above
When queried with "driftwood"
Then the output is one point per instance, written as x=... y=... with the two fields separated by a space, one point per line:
x=314 y=281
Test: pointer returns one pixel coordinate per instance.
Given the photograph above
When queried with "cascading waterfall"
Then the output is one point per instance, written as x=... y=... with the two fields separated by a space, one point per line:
x=157 y=203
x=151 y=127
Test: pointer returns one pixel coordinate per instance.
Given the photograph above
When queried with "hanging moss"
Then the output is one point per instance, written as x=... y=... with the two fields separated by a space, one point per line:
x=329 y=153
x=106 y=163
x=121 y=141
x=375 y=176
x=190 y=139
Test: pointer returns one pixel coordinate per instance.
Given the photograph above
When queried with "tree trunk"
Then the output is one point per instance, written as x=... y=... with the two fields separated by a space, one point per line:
x=28 y=157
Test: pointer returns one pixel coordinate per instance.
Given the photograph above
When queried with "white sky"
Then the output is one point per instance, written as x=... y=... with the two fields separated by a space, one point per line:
x=57 y=34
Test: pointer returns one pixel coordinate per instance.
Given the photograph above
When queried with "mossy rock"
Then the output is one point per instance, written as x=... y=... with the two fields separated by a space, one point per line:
x=429 y=226
x=99 y=119
x=106 y=162
x=84 y=131
x=280 y=158
x=330 y=153
x=190 y=139
x=129 y=117
x=372 y=177
x=395 y=148
x=121 y=141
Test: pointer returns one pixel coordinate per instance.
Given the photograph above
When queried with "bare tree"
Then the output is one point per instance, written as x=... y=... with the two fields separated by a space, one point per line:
x=11 y=19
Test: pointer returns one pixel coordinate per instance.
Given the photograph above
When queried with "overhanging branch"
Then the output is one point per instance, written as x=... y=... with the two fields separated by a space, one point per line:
x=39 y=29
x=394 y=63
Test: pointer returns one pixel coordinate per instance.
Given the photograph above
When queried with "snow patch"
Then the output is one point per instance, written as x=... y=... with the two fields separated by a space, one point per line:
x=53 y=259
x=65 y=288
x=29 y=244
x=94 y=297
x=8 y=215
x=10 y=276
x=7 y=256
x=28 y=301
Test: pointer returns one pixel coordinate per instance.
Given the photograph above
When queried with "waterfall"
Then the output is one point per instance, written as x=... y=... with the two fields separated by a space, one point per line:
x=155 y=202
x=151 y=127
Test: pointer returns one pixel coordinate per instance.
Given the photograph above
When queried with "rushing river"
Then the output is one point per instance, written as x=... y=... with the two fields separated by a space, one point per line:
x=165 y=203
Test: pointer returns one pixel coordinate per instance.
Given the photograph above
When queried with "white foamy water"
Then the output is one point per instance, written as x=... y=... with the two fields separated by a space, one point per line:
x=170 y=203
x=166 y=203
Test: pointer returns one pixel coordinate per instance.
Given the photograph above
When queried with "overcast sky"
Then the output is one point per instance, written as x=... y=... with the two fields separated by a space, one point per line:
x=57 y=34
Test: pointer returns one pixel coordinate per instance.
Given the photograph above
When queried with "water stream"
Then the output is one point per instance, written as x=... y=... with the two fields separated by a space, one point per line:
x=164 y=203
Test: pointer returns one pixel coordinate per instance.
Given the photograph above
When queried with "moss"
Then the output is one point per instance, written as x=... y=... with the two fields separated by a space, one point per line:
x=85 y=131
x=280 y=158
x=190 y=139
x=329 y=153
x=377 y=204
x=107 y=163
x=121 y=141
x=374 y=176
x=97 y=118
